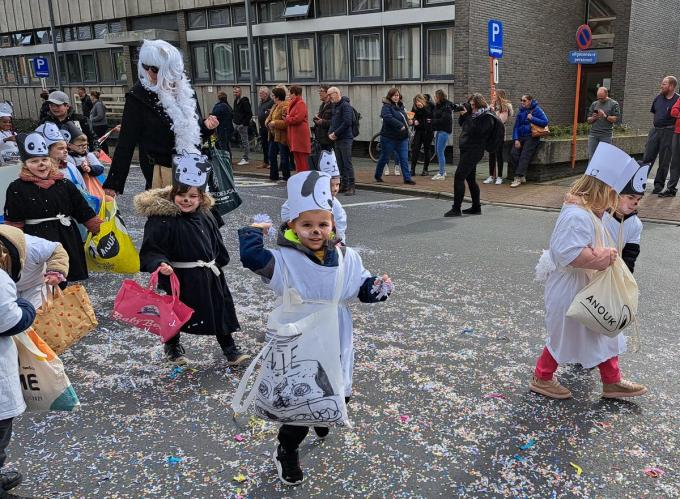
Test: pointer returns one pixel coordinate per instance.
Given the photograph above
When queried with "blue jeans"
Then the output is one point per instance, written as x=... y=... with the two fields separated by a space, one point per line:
x=387 y=146
x=440 y=145
x=276 y=148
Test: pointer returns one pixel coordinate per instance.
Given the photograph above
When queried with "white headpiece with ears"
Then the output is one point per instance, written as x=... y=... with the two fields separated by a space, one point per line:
x=174 y=91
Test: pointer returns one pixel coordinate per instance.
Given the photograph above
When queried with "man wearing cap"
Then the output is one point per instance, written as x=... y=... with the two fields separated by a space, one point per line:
x=61 y=112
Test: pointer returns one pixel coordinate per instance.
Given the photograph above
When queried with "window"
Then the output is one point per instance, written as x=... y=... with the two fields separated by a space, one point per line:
x=22 y=39
x=119 y=66
x=365 y=5
x=218 y=17
x=366 y=54
x=274 y=59
x=42 y=36
x=296 y=8
x=59 y=35
x=302 y=58
x=439 y=42
x=62 y=68
x=31 y=72
x=115 y=27
x=197 y=20
x=5 y=41
x=242 y=60
x=403 y=54
x=9 y=69
x=223 y=61
x=85 y=32
x=326 y=8
x=333 y=59
x=239 y=14
x=105 y=64
x=89 y=65
x=270 y=11
x=201 y=60
x=70 y=34
x=100 y=29
x=437 y=2
x=161 y=21
x=22 y=71
x=401 y=4
x=73 y=67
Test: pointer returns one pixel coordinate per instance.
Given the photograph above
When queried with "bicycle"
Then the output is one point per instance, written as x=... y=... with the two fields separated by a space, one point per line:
x=374 y=147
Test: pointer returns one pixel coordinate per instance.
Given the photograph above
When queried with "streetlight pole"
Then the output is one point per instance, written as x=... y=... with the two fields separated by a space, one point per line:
x=251 y=57
x=53 y=35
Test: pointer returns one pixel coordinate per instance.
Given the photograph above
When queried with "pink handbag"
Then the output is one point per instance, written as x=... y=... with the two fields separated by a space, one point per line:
x=145 y=309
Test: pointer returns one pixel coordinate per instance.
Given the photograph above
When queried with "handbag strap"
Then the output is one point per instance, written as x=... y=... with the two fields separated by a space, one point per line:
x=238 y=404
x=339 y=277
x=24 y=340
x=174 y=283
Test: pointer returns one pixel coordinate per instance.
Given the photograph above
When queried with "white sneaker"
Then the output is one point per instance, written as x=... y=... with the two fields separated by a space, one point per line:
x=397 y=170
x=516 y=182
x=244 y=161
x=489 y=180
x=386 y=171
x=439 y=177
x=499 y=181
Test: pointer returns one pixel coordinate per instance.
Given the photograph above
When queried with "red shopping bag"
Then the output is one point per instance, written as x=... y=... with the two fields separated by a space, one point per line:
x=145 y=309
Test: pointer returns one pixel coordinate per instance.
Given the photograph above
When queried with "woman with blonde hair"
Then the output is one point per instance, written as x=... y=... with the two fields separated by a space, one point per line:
x=422 y=125
x=503 y=109
x=578 y=249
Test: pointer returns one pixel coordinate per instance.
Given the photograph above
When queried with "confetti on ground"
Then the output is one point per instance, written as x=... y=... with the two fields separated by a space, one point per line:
x=578 y=469
x=528 y=445
x=404 y=418
x=173 y=460
x=238 y=438
x=495 y=396
x=240 y=478
x=654 y=472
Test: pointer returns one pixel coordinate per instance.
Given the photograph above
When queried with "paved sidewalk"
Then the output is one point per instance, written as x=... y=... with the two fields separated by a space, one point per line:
x=547 y=195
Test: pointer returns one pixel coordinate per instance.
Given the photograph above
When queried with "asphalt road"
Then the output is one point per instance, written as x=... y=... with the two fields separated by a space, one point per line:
x=441 y=406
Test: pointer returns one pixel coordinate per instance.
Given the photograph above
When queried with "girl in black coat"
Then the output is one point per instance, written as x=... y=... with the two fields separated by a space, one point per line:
x=442 y=124
x=181 y=236
x=422 y=124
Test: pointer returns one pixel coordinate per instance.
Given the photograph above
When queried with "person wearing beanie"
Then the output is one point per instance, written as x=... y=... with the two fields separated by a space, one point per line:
x=45 y=205
x=307 y=259
x=181 y=237
x=16 y=315
x=86 y=162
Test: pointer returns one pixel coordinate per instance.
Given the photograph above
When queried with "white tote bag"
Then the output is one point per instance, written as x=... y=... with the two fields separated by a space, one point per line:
x=609 y=302
x=300 y=380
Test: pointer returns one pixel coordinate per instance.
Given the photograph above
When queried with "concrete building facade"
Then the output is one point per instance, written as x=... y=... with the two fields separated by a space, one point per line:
x=363 y=46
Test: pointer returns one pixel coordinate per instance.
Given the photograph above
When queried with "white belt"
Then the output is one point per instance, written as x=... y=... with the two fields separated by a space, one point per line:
x=63 y=219
x=200 y=263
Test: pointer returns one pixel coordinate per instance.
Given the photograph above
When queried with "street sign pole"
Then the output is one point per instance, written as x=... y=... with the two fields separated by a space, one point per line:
x=492 y=74
x=495 y=35
x=55 y=51
x=575 y=126
x=584 y=38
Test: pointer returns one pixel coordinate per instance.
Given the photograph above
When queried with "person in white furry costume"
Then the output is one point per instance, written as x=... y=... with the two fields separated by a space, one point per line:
x=161 y=115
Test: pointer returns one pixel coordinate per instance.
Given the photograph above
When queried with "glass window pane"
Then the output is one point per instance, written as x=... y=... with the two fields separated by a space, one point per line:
x=218 y=17
x=223 y=62
x=89 y=66
x=362 y=5
x=22 y=71
x=440 y=51
x=435 y=2
x=302 y=58
x=9 y=68
x=276 y=11
x=296 y=9
x=201 y=62
x=367 y=55
x=403 y=54
x=327 y=8
x=115 y=27
x=69 y=34
x=239 y=14
x=105 y=64
x=274 y=59
x=5 y=41
x=243 y=60
x=263 y=12
x=84 y=32
x=401 y=4
x=59 y=35
x=73 y=67
x=334 y=57
x=197 y=20
x=62 y=68
x=100 y=29
x=42 y=36
x=119 y=66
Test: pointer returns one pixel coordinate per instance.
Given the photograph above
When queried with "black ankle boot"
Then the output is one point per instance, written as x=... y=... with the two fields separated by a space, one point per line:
x=473 y=210
x=351 y=189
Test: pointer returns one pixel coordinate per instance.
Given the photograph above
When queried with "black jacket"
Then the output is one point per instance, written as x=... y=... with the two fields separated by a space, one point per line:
x=442 y=117
x=87 y=104
x=422 y=116
x=144 y=122
x=474 y=131
x=225 y=114
x=263 y=110
x=44 y=111
x=341 y=120
x=322 y=126
x=243 y=113
x=92 y=142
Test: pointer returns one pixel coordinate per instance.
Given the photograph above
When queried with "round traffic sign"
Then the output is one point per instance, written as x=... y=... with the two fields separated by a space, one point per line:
x=584 y=37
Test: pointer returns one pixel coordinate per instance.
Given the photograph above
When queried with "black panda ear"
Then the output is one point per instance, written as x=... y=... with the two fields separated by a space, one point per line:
x=309 y=183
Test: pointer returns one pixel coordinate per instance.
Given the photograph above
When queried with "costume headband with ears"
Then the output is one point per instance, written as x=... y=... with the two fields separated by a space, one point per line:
x=191 y=169
x=307 y=191
x=32 y=145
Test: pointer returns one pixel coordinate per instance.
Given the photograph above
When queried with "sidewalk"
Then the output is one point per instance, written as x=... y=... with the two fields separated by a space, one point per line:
x=547 y=195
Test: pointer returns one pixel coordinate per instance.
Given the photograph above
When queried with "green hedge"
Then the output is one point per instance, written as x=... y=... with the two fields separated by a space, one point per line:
x=582 y=130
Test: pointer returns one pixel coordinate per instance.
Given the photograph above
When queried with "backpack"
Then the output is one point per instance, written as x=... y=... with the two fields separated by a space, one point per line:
x=356 y=116
x=496 y=136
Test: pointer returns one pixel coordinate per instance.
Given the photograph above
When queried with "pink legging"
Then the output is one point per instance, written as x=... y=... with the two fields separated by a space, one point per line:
x=547 y=365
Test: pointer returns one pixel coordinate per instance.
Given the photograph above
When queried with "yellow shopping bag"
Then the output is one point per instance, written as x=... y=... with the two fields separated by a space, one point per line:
x=112 y=249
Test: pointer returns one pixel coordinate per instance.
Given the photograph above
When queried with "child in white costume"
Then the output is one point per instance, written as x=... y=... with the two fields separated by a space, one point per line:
x=308 y=254
x=571 y=261
x=329 y=164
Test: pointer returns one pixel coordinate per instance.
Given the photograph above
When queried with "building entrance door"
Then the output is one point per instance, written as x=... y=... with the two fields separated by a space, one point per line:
x=594 y=76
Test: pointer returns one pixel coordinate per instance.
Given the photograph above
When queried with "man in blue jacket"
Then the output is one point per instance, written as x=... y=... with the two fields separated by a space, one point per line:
x=340 y=132
x=525 y=145
x=223 y=112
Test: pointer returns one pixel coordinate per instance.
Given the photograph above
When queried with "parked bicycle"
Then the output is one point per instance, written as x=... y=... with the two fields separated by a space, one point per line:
x=374 y=147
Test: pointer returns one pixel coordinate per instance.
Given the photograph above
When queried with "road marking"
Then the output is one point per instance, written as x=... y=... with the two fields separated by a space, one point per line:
x=245 y=182
x=382 y=202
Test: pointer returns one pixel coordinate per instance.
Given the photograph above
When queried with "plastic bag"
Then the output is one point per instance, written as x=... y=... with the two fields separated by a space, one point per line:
x=112 y=250
x=221 y=185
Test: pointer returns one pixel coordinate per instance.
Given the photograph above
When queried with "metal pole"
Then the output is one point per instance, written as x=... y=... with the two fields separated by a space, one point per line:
x=251 y=57
x=575 y=125
x=55 y=51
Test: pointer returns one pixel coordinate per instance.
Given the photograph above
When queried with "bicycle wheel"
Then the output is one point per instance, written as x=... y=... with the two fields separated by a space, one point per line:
x=374 y=147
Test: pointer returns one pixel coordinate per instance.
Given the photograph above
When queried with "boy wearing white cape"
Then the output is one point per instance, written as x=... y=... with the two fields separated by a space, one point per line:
x=308 y=254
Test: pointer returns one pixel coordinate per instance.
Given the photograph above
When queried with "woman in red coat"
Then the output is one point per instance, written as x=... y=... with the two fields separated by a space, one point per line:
x=298 y=129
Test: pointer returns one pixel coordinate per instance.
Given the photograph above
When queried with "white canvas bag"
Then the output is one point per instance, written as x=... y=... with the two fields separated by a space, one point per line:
x=609 y=302
x=300 y=380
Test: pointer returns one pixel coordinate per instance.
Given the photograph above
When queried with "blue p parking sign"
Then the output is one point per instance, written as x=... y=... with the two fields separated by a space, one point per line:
x=495 y=39
x=41 y=67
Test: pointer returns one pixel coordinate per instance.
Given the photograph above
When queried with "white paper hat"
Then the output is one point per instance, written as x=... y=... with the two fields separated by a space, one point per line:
x=51 y=133
x=638 y=183
x=328 y=163
x=6 y=109
x=308 y=191
x=612 y=166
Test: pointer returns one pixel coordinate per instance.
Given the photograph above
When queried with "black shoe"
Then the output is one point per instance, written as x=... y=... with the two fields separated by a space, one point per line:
x=343 y=187
x=410 y=182
x=413 y=172
x=235 y=357
x=425 y=173
x=174 y=353
x=668 y=194
x=288 y=466
x=321 y=431
x=378 y=179
x=453 y=212
x=657 y=191
x=351 y=189
x=474 y=210
x=9 y=480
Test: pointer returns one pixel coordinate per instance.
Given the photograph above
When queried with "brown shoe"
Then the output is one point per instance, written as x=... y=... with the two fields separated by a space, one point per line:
x=552 y=388
x=622 y=389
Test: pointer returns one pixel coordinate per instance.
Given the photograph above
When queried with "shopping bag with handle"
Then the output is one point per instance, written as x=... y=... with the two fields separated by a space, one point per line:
x=221 y=183
x=64 y=317
x=94 y=187
x=112 y=250
x=44 y=383
x=143 y=308
x=300 y=381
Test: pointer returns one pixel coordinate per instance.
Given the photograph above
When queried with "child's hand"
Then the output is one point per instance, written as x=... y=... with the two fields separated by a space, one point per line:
x=85 y=166
x=604 y=257
x=385 y=279
x=382 y=287
x=265 y=226
x=165 y=269
x=54 y=278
